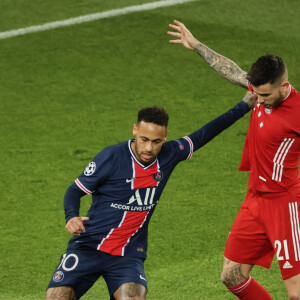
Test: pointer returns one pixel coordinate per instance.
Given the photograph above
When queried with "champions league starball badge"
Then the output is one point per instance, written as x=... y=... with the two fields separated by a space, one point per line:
x=90 y=169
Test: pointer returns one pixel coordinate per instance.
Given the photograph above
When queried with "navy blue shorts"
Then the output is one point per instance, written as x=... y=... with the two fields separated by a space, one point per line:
x=81 y=268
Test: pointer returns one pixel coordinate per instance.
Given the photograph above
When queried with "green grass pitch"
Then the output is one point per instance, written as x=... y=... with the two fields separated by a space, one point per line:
x=67 y=93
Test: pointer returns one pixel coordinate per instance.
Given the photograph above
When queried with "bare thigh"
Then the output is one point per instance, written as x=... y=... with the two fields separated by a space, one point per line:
x=131 y=291
x=61 y=293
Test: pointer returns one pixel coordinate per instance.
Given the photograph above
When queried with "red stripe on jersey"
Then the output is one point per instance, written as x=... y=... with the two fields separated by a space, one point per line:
x=191 y=147
x=81 y=186
x=119 y=237
x=144 y=178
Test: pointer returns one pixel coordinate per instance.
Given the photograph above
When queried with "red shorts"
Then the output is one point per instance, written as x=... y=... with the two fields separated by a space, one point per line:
x=267 y=223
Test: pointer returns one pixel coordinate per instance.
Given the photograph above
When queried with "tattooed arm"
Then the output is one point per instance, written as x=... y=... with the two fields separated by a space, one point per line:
x=223 y=65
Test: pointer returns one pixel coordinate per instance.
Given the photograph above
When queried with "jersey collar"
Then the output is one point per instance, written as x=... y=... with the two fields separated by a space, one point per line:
x=136 y=160
x=290 y=89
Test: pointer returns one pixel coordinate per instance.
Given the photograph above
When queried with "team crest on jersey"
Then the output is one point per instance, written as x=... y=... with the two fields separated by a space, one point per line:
x=268 y=111
x=90 y=169
x=158 y=176
x=58 y=276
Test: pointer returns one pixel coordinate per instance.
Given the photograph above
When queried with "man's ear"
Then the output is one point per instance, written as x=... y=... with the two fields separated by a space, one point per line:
x=167 y=131
x=134 y=129
x=285 y=86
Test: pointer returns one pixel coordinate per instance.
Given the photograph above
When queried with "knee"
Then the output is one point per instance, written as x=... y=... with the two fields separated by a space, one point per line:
x=294 y=296
x=233 y=276
x=131 y=290
x=62 y=292
x=226 y=278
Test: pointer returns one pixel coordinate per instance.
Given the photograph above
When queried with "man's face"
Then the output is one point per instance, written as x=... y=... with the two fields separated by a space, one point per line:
x=149 y=138
x=271 y=95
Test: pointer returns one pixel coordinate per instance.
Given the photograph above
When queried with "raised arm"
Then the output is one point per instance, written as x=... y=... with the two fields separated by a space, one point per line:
x=209 y=131
x=224 y=66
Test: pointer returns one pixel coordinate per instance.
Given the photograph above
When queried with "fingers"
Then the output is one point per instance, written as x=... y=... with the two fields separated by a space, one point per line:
x=71 y=228
x=175 y=27
x=177 y=34
x=84 y=219
x=80 y=225
x=175 y=41
x=178 y=23
x=75 y=225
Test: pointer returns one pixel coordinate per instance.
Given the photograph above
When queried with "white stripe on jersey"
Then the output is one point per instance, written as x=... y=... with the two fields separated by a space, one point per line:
x=191 y=147
x=280 y=157
x=111 y=231
x=133 y=173
x=295 y=228
x=82 y=187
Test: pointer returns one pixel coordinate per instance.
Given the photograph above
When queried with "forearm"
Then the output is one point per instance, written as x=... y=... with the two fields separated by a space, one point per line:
x=224 y=66
x=72 y=202
x=215 y=127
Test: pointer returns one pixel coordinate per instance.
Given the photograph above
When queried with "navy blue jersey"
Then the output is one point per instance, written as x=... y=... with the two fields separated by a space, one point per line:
x=125 y=192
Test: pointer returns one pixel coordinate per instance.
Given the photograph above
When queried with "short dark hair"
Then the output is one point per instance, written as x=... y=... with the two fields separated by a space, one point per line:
x=154 y=114
x=267 y=69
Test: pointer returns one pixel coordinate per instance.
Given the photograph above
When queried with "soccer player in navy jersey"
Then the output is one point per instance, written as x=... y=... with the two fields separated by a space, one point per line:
x=268 y=221
x=126 y=181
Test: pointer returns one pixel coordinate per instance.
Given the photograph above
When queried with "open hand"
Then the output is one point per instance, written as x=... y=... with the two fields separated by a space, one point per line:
x=183 y=34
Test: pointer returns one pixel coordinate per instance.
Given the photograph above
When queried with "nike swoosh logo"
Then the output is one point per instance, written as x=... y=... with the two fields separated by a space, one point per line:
x=129 y=180
x=143 y=278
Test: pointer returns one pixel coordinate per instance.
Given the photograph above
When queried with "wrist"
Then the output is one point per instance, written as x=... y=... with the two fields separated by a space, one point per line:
x=194 y=45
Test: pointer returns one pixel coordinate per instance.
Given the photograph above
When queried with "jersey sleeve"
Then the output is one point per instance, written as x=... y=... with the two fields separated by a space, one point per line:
x=72 y=201
x=205 y=134
x=182 y=149
x=96 y=172
x=178 y=150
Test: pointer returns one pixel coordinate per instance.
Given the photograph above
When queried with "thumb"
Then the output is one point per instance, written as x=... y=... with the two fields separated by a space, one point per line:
x=84 y=219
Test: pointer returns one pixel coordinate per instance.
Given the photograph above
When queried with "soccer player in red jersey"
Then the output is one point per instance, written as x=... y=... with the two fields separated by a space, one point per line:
x=268 y=221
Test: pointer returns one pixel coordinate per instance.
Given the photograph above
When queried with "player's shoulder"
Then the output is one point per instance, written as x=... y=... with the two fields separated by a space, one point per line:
x=112 y=151
x=293 y=101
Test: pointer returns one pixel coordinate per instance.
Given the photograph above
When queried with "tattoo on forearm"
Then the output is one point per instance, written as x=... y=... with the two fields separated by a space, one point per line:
x=233 y=276
x=224 y=66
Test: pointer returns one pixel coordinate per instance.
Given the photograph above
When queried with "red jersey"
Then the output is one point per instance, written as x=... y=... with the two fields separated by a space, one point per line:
x=272 y=147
